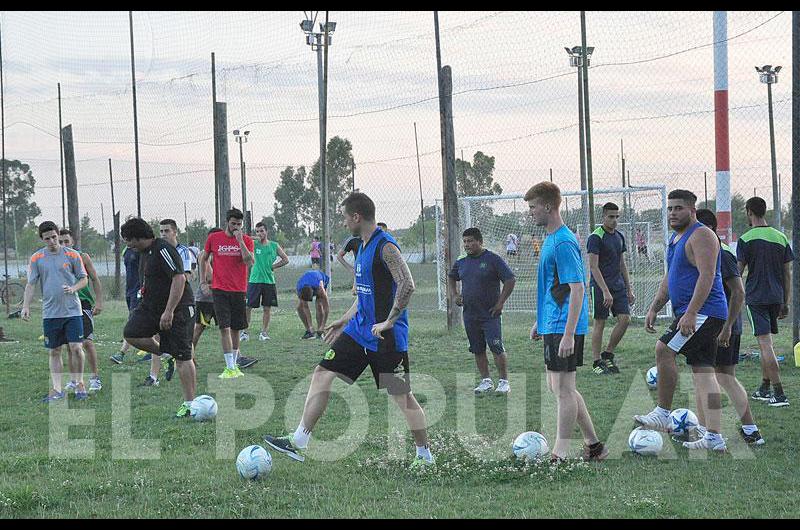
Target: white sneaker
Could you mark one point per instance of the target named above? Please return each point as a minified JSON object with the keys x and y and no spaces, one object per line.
{"x":692,"y":435}
{"x":503,"y":388}
{"x":485,"y":386}
{"x":72,"y":385}
{"x":244,"y":336}
{"x":654,"y":421}
{"x":718,"y":444}
{"x":95,"y":384}
{"x":263,"y":336}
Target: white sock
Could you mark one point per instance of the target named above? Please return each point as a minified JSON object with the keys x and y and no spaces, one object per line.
{"x":749,"y":429}
{"x":235,"y":356}
{"x":713,"y":436}
{"x":502,"y":381}
{"x":229,"y":361}
{"x":662,"y":411}
{"x":154,"y":376}
{"x":187,"y":403}
{"x":424,"y":452}
{"x":301,"y":436}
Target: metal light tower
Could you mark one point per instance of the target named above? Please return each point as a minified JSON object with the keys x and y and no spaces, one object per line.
{"x":769,"y":76}
{"x":576,"y":59}
{"x":241,"y":138}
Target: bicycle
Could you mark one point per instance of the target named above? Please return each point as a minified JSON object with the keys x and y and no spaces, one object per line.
{"x":13,"y":293}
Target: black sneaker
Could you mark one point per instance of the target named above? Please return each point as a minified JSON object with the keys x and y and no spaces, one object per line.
{"x":308,"y":335}
{"x":600,"y":368}
{"x":246,"y":362}
{"x":761,"y":394}
{"x":612,"y":368}
{"x":170,"y":369}
{"x":150,"y":381}
{"x":779,"y":401}
{"x":320,"y":335}
{"x":285,"y":445}
{"x":752,"y":439}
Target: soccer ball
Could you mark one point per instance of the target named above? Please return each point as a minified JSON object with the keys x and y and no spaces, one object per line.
{"x":682,"y":421}
{"x":530,"y":446}
{"x":203,"y":408}
{"x":652,"y":378}
{"x":645,"y":442}
{"x":254,"y":462}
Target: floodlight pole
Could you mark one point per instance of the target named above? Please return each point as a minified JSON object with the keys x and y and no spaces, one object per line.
{"x":796,"y":175}
{"x":585,"y":67}
{"x":135,"y":122}
{"x":776,"y":201}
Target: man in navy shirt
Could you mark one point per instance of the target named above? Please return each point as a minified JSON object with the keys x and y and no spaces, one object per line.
{"x":611,"y":288}
{"x":313,"y":283}
{"x":130,"y":258}
{"x":480,"y":273}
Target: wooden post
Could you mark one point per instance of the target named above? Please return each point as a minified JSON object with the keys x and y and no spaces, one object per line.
{"x":221,"y":169}
{"x":449,"y":183}
{"x":115,"y":214}
{"x":73,"y":215}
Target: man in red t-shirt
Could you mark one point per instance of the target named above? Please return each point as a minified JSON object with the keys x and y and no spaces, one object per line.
{"x":232,"y":252}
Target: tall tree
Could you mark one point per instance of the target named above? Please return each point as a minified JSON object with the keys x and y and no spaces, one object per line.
{"x":474,"y":179}
{"x":20,"y":184}
{"x":339,"y":164}
{"x":291,"y":200}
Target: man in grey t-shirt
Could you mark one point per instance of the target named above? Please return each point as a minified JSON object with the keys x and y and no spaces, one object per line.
{"x":62,"y":275}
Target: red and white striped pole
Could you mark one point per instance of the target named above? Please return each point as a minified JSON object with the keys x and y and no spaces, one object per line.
{"x":721,"y":142}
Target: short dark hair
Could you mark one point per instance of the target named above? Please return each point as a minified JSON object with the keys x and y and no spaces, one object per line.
{"x":234,"y":213}
{"x":361,"y":204}
{"x":215,"y":229}
{"x":707,"y":217}
{"x":474,"y":233}
{"x":261,"y":223}
{"x":46,"y":227}
{"x":136,"y":228}
{"x":684,"y":195}
{"x":610,"y":206}
{"x":65,"y":232}
{"x":170,"y":222}
{"x":757,"y":205}
{"x":307,"y":293}
{"x":383,"y":225}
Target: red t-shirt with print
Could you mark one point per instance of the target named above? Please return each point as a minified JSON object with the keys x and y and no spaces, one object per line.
{"x":230,"y":271}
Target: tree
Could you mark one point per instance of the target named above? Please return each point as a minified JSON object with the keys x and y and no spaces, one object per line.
{"x":291,"y":200}
{"x":339,"y":164}
{"x":19,"y":186}
{"x":197,"y":231}
{"x":474,"y":179}
{"x":92,"y":242}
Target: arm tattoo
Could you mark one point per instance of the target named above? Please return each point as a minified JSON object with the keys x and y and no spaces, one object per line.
{"x":401,"y":276}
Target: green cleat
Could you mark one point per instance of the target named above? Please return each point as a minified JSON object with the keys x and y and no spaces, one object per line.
{"x":183,"y":411}
{"x":230,"y":373}
{"x":285,"y":445}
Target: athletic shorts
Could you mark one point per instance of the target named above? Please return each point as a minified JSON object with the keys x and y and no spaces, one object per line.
{"x":620,"y":305}
{"x":60,"y":331}
{"x":132,"y":300}
{"x":261,"y":295}
{"x":88,"y":320}
{"x":553,"y":362}
{"x":349,"y":359}
{"x":317,"y":261}
{"x":177,"y":341}
{"x":229,"y":308}
{"x":481,"y":333}
{"x":764,"y":318}
{"x":729,"y":356}
{"x":700,"y":348}
{"x":204,"y":313}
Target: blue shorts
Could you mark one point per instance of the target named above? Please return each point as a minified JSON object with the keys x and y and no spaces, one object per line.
{"x":764,"y":318}
{"x":483,"y":332}
{"x":620,"y":305}
{"x":60,"y":331}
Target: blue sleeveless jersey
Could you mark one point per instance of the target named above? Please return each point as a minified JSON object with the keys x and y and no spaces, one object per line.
{"x":682,"y":276}
{"x":376,"y":290}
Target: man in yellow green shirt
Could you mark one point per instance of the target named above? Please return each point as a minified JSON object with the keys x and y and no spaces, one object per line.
{"x":261,"y":284}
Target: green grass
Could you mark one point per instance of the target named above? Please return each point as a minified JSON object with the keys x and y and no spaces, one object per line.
{"x":475,"y":477}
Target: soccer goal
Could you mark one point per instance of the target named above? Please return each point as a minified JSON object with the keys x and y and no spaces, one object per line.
{"x":505,"y":224}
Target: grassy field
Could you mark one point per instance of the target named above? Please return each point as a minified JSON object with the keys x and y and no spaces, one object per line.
{"x":142,"y":462}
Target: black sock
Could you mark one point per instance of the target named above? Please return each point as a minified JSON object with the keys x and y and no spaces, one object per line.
{"x":765,"y":385}
{"x":778,"y":389}
{"x":607,"y":355}
{"x":596,"y":363}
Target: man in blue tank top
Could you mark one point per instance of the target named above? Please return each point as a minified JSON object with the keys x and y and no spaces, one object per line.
{"x":693,"y":285}
{"x":372,"y":333}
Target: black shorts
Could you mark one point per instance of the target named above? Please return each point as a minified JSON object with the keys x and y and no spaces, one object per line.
{"x":229,"y":308}
{"x":317,"y":261}
{"x":349,"y":359}
{"x":729,"y":356}
{"x":204,"y":313}
{"x":88,"y":320}
{"x":619,"y":306}
{"x":764,"y":318}
{"x":261,"y":295}
{"x":553,"y":362}
{"x":177,"y":341}
{"x":700,"y":348}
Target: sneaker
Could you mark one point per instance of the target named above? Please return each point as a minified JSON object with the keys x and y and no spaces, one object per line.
{"x":80,"y":392}
{"x":752,"y":439}
{"x":597,"y":454}
{"x":420,"y":462}
{"x":761,"y":395}
{"x":72,"y":385}
{"x":144,"y":356}
{"x":485,"y":387}
{"x":149,"y":381}
{"x":601,"y":368}
{"x":779,"y":401}
{"x":244,"y":336}
{"x":705,"y":443}
{"x":285,"y":445}
{"x":654,"y":421}
{"x":170,"y":369}
{"x":320,"y":335}
{"x":556,"y":460}
{"x":308,"y":335}
{"x":263,"y":336}
{"x":691,"y":435}
{"x":183,"y":411}
{"x":612,"y":368}
{"x":245,"y":362}
{"x":230,"y":373}
{"x":503,"y":388}
{"x":95,"y":384}
{"x":117,"y":358}
{"x":54,"y":396}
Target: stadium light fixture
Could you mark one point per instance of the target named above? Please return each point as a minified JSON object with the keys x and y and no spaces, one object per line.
{"x":767,"y":74}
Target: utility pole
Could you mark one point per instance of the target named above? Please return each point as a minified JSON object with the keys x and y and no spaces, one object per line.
{"x":796,"y":175}
{"x":135,"y":123}
{"x":421,"y":203}
{"x":585,"y":67}
{"x":61,"y":162}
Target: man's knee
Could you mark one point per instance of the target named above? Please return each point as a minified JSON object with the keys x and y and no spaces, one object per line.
{"x":624,"y":319}
{"x":664,"y":353}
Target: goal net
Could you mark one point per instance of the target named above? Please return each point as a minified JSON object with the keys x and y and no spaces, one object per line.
{"x":506,"y":225}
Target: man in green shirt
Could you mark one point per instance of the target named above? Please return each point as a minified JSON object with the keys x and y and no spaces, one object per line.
{"x":261,"y":284}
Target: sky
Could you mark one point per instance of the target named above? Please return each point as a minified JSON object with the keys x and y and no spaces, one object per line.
{"x":515,"y":98}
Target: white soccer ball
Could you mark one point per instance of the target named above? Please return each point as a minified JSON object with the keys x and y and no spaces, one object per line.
{"x":254,"y":462}
{"x":652,"y":378}
{"x":530,"y":446}
{"x":682,"y":421}
{"x":645,"y":442}
{"x":203,"y":408}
